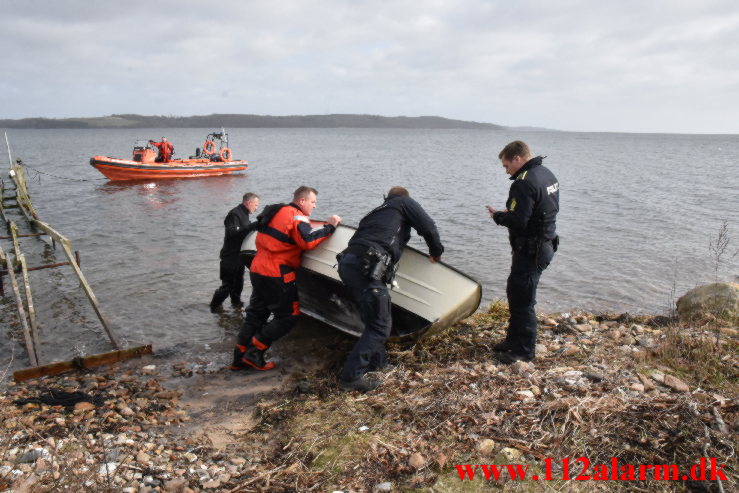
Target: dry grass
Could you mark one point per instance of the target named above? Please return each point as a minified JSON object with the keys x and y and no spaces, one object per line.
{"x":699,"y":355}
{"x":446,"y":396}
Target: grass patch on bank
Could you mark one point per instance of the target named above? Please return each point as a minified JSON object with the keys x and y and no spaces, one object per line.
{"x":699,"y":355}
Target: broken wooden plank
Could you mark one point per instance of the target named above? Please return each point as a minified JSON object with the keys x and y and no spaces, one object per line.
{"x":81,"y":363}
{"x":31,"y":309}
{"x":2,"y":212}
{"x":21,"y":311}
{"x":14,"y":235}
{"x":18,"y":175}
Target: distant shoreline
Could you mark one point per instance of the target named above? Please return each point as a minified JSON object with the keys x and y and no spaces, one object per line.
{"x":248,"y":121}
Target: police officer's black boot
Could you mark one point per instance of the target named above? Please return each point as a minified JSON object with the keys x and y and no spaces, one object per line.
{"x":360,"y":384}
{"x":254,"y":356}
{"x":379,"y":362}
{"x":502,"y":347}
{"x":510,"y":357}
{"x":519,"y":351}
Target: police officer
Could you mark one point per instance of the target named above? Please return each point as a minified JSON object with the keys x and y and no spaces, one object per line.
{"x":367,"y":265}
{"x":530,"y":216}
{"x":238,"y":225}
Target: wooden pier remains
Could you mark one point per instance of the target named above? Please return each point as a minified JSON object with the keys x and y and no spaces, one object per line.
{"x":16,"y":271}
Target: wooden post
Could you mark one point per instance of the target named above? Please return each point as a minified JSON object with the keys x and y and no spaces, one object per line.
{"x":20,"y":262}
{"x":18,"y":175}
{"x":31,"y":309}
{"x":2,"y":209}
{"x":14,"y":235}
{"x":21,"y":312}
{"x":2,"y":199}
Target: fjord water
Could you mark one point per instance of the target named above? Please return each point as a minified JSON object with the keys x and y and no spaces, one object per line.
{"x":637,"y":214}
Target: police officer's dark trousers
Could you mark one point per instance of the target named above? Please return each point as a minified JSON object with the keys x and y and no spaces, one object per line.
{"x":270,"y":295}
{"x":373,"y":299}
{"x":232,"y":281}
{"x":526,"y":269}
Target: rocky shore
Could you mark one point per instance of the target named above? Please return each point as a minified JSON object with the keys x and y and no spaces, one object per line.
{"x":646,"y":390}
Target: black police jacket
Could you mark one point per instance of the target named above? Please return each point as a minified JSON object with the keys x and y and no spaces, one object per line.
{"x":238,"y":226}
{"x":389,"y":227}
{"x":533,"y":203}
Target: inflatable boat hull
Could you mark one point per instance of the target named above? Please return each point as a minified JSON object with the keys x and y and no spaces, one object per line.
{"x":123,"y":169}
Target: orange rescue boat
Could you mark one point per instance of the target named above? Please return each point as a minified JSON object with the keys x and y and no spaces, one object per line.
{"x":211,"y":160}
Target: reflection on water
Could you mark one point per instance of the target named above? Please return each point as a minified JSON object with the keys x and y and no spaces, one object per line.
{"x":631,"y":204}
{"x":164,"y":192}
{"x":157,"y":194}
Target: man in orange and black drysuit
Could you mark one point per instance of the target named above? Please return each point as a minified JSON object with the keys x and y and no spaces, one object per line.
{"x":284,"y":233}
{"x":166,"y":149}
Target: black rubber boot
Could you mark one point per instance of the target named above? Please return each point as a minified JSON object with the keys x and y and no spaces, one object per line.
{"x":254,"y":356}
{"x":237,"y":363}
{"x":218,"y":298}
{"x":502,"y":347}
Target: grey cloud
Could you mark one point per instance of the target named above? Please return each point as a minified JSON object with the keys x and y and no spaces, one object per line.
{"x":626,"y":66}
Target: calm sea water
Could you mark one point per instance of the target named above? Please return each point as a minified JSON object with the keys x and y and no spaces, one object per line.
{"x":637,"y":215}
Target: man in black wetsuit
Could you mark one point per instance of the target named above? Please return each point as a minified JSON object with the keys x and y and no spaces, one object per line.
{"x":367,"y":265}
{"x":530,"y":216}
{"x":232,"y":269}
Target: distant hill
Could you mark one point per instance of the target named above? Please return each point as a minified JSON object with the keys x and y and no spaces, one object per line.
{"x":249,"y":121}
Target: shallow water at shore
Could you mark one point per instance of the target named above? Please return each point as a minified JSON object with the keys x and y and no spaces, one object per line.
{"x":637,"y":215}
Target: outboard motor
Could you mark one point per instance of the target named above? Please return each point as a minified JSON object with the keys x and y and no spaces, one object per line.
{"x":138,"y":154}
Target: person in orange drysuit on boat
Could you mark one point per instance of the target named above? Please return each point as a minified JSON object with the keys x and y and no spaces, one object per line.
{"x":166,"y":149}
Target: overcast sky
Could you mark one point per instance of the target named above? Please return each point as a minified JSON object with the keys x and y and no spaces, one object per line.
{"x":628,"y":65}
